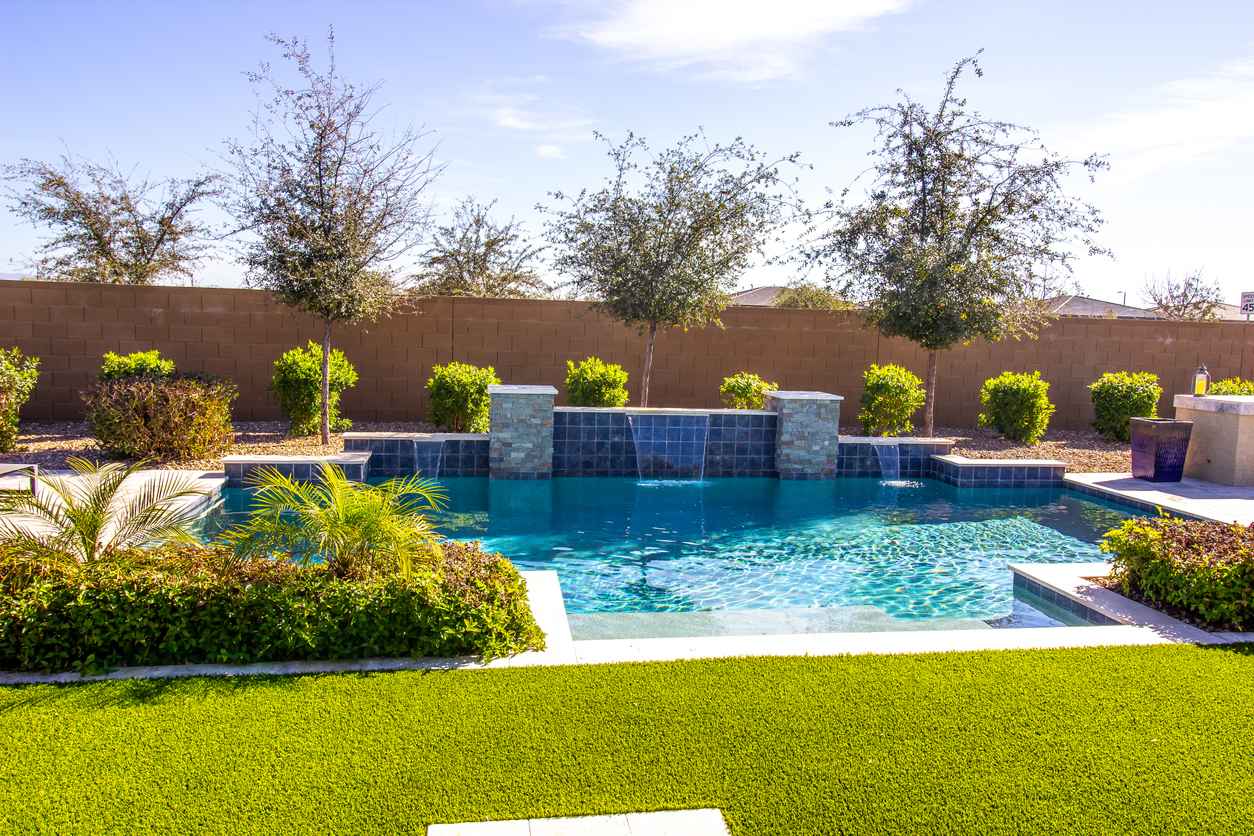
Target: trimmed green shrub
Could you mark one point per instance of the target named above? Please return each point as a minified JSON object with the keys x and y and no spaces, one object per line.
{"x":1120,"y":396}
{"x":891,"y":394}
{"x":1232,"y":386}
{"x":190,"y":604}
{"x":18,"y":375}
{"x":745,"y":390}
{"x":595,"y":383}
{"x":297,"y":383}
{"x":138,"y":364}
{"x":1017,"y":405}
{"x":179,"y":418}
{"x":459,"y":396}
{"x":1203,"y":569}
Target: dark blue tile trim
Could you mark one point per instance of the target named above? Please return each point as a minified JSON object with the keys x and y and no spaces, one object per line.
{"x":1061,"y":601}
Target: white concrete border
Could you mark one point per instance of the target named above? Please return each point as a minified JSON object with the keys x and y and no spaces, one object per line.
{"x":703,"y":822}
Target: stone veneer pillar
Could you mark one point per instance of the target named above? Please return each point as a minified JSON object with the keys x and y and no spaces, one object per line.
{"x":520,"y":444}
{"x":807,"y":434}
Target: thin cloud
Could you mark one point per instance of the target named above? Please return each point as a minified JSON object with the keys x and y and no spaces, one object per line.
{"x":737,"y":40}
{"x":1177,"y":122}
{"x":517,"y":105}
{"x":550,"y":152}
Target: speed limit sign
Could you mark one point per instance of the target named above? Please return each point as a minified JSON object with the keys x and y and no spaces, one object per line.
{"x":1247,"y":303}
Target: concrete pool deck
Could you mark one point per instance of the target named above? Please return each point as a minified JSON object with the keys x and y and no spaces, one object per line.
{"x":1188,"y":497}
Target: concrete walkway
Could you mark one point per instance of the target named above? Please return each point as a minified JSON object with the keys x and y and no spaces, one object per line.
{"x":704,"y":822}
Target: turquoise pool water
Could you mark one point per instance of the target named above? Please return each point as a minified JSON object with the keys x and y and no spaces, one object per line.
{"x":910,"y":553}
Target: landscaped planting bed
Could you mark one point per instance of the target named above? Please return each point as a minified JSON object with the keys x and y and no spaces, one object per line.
{"x":1114,"y":740}
{"x":1084,"y":451}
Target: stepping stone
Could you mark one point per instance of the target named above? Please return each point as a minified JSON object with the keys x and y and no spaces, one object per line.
{"x":705,"y":822}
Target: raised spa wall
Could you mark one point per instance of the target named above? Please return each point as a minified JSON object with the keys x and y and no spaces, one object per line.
{"x":796,"y":437}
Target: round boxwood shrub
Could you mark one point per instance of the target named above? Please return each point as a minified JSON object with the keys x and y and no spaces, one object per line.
{"x":137,"y":364}
{"x":297,"y":383}
{"x":745,"y":390}
{"x":179,"y":418}
{"x":891,"y":394}
{"x":1121,"y":396}
{"x":1017,"y":405}
{"x":1232,"y":386}
{"x":18,"y":374}
{"x":459,"y":396}
{"x":595,"y":383}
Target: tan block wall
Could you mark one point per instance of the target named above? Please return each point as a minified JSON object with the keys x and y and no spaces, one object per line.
{"x":239,"y":333}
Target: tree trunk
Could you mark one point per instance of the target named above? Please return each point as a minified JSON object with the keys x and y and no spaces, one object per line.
{"x":648,"y":365}
{"x":929,"y":406}
{"x":326,"y":383}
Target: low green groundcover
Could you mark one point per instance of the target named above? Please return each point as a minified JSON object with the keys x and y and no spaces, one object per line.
{"x":1109,"y":740}
{"x":194,"y":605}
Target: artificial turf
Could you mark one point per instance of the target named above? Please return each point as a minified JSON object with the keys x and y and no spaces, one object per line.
{"x":1117,"y":740}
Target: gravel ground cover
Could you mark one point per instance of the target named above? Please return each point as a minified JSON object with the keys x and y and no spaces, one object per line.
{"x":50,"y":443}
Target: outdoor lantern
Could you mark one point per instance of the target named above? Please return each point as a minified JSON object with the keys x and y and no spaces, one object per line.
{"x":1201,"y":380}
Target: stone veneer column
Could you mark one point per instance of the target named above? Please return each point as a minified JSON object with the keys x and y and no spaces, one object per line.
{"x":807,"y":434}
{"x":520,"y":442}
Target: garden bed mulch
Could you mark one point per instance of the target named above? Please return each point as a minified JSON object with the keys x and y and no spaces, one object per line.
{"x":50,"y":443}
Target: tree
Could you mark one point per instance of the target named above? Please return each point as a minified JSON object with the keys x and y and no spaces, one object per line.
{"x":330,"y":203}
{"x":106,"y":226}
{"x":1190,"y":298}
{"x":661,"y":244}
{"x":475,"y":256}
{"x":810,"y":296}
{"x":965,"y":219}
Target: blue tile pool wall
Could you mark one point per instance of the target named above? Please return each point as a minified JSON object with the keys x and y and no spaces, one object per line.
{"x":592,"y":444}
{"x":741,"y":444}
{"x":464,"y":457}
{"x":596,"y":443}
{"x":239,"y":473}
{"x":861,"y":459}
{"x":1062,"y":601}
{"x":430,"y":457}
{"x":999,"y":475}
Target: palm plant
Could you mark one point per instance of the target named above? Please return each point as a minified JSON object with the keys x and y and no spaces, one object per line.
{"x":358,"y":529}
{"x":88,"y":518}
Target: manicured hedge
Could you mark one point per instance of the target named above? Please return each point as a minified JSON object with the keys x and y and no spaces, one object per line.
{"x":1202,"y":569}
{"x":593,"y":382}
{"x":1232,"y":386}
{"x":459,"y":396}
{"x":745,"y":390}
{"x":1017,"y":405}
{"x":18,"y":375}
{"x":297,"y":383}
{"x":179,"y":418}
{"x":891,"y":395}
{"x":196,"y":605}
{"x":1121,"y":396}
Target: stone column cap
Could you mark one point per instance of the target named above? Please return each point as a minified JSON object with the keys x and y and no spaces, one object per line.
{"x":1231,"y":404}
{"x":805,"y":396}
{"x":514,"y":389}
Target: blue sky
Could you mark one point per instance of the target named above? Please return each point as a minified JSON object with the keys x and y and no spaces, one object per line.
{"x":513,"y":91}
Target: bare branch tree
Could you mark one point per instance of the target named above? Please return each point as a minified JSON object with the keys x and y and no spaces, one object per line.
{"x":328,"y":203}
{"x":106,"y":226}
{"x":1190,"y":298}
{"x":475,"y":256}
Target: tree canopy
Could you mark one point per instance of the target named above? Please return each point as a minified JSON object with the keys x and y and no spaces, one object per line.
{"x":811,"y":296}
{"x":477,"y":256}
{"x":964,"y":221}
{"x":662,"y":242}
{"x":107,"y":226}
{"x":328,"y":203}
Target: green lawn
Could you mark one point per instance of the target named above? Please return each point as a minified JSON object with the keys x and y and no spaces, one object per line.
{"x":1112,"y":740}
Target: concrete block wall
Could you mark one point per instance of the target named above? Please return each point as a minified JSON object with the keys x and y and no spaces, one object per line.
{"x":239,"y":333}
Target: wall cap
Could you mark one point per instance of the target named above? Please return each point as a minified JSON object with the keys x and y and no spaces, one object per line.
{"x":515,"y":389}
{"x":1228,"y":404}
{"x":805,"y":396}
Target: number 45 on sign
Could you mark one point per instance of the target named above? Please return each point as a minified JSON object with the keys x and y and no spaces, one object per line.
{"x":1247,"y":303}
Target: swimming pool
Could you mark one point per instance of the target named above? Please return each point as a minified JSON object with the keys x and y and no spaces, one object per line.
{"x":749,"y":555}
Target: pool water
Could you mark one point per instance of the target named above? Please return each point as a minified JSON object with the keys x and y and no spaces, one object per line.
{"x":764,"y":555}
